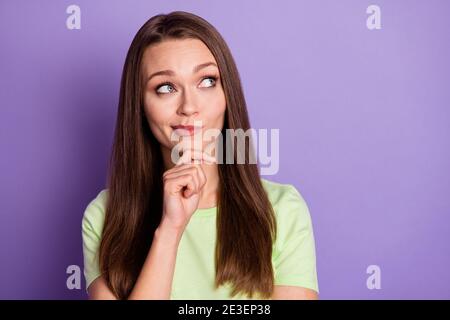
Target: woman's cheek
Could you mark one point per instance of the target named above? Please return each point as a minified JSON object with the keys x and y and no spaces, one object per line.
{"x":159,"y":110}
{"x":216,"y":102}
{"x":157,"y":119}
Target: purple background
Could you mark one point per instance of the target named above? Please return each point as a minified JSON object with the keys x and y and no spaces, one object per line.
{"x":363,"y":118}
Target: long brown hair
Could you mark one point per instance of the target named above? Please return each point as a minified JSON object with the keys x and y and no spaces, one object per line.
{"x":246,"y":226}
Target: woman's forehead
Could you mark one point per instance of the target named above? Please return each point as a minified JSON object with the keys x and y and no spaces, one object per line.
{"x":180,"y":55}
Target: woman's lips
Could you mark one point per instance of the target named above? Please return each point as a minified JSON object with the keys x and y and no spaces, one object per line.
{"x":185,"y":130}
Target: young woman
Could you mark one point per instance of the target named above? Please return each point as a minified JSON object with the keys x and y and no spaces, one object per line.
{"x":193,"y":227}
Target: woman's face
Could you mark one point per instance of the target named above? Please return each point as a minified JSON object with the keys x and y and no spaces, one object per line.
{"x":182,"y":86}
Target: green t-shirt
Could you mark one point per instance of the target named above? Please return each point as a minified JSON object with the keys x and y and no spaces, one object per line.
{"x":293,"y":256}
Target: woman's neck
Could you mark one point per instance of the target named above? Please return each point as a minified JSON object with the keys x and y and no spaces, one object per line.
{"x":210,"y":192}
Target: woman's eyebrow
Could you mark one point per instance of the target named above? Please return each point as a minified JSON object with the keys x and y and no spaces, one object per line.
{"x":171,"y":73}
{"x":203,"y":65}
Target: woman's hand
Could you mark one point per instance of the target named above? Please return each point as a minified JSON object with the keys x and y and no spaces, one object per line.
{"x":182,"y":188}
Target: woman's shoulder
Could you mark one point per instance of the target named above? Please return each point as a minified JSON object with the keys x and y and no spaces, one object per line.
{"x":287,"y":202}
{"x":282,"y":193}
{"x":94,"y":214}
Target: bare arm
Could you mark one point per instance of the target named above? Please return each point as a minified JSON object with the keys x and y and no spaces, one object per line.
{"x":182,"y":186}
{"x":98,"y":290}
{"x":155,"y":279}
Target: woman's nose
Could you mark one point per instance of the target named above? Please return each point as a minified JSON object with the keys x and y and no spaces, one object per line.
{"x":188,"y":105}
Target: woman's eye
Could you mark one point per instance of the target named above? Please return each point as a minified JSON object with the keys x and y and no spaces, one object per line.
{"x":209,"y":81}
{"x":165,"y":88}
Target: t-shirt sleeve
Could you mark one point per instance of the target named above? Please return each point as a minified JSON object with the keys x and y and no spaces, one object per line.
{"x":294,"y":257}
{"x":91,"y":226}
